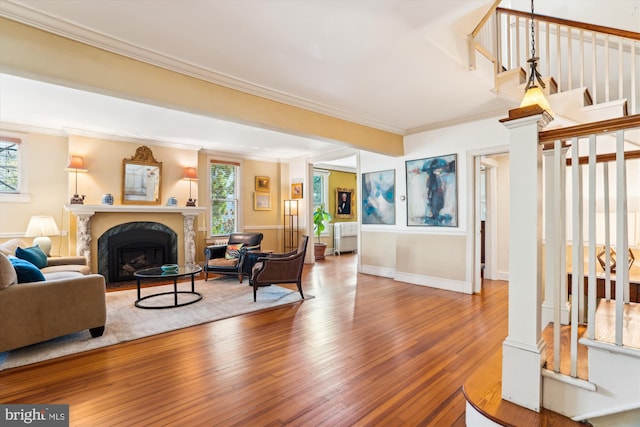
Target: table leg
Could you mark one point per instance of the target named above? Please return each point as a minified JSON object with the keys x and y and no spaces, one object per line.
{"x":175,"y":291}
{"x":138,"y":285}
{"x":193,"y":286}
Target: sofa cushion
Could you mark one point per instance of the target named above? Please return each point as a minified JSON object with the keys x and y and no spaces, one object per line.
{"x":56,"y":275}
{"x":66,"y":268}
{"x":8,"y":275}
{"x":34,"y":255}
{"x":9,"y":247}
{"x":233,"y":251}
{"x":26,"y":271}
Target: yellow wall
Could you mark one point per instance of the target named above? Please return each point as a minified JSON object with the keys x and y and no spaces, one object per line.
{"x":47,"y":184}
{"x":339,"y":179}
{"x":51,"y":187}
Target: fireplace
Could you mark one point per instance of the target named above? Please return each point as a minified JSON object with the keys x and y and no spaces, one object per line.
{"x":132,"y":246}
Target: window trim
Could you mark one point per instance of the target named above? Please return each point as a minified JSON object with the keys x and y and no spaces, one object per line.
{"x":23,"y":195}
{"x":239,"y":210}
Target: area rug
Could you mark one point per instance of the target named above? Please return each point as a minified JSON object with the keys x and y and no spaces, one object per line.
{"x":221,"y":299}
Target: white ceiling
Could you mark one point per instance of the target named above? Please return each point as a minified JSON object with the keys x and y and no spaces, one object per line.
{"x":397,"y":65}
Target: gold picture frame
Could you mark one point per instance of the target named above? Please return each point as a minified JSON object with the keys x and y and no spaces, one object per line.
{"x":263,"y":183}
{"x":261,"y":201}
{"x":141,"y":178}
{"x":296,"y":190}
{"x":345,"y":203}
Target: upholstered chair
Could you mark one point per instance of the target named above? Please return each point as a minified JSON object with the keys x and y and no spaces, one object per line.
{"x":280,"y":268}
{"x":229,"y":258}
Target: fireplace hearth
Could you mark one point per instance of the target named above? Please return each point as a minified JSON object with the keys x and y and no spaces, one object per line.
{"x":132,"y":246}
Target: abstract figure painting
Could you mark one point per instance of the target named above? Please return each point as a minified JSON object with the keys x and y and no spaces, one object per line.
{"x":378,"y":197}
{"x":432,"y":192}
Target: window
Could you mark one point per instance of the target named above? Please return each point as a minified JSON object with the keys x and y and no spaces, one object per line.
{"x":224,"y":197}
{"x":13,"y":182}
{"x":9,"y":164}
{"x":321,"y":192}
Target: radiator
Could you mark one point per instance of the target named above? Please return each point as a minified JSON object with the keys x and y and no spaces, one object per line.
{"x":345,"y":237}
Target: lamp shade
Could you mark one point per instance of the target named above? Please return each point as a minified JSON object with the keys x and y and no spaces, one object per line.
{"x":76,"y":164}
{"x":535,"y":96}
{"x":42,"y":225}
{"x":190,"y":174}
{"x":291,"y":207}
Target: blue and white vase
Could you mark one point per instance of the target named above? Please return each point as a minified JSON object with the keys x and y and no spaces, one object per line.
{"x":172,"y":201}
{"x":107,"y":199}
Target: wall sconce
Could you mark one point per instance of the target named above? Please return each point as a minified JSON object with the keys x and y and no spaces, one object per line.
{"x":190,"y":174}
{"x":76,"y":164}
{"x":41,"y":227}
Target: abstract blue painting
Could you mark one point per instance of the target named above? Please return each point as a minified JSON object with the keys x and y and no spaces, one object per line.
{"x":432,"y":188}
{"x":379,"y":197}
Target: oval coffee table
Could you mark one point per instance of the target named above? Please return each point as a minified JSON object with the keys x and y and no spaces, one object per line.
{"x":158,"y":273}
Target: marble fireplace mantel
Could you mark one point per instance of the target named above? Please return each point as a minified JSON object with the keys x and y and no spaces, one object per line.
{"x":84,"y":213}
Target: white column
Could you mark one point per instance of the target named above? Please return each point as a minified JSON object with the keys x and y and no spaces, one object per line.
{"x":523,"y":351}
{"x":189,"y":238}
{"x":83,"y":236}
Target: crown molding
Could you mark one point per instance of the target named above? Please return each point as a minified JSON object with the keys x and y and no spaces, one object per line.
{"x":42,"y":21}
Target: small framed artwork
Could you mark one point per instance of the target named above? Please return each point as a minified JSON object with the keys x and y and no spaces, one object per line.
{"x":379,"y":197}
{"x":261,"y":201}
{"x":344,"y":203}
{"x":296,"y":190}
{"x":262,"y":183}
{"x":432,"y":191}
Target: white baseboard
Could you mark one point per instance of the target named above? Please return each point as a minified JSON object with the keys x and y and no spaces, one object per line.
{"x":502,"y":275}
{"x":377,"y":271}
{"x":435,"y":282}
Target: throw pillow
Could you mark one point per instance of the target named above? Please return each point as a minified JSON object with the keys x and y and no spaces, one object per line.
{"x":233,"y":251}
{"x":26,"y":271}
{"x":8,"y":275}
{"x":34,"y":255}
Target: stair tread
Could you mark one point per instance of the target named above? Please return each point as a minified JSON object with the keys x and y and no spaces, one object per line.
{"x":483,"y":390}
{"x":565,"y":351}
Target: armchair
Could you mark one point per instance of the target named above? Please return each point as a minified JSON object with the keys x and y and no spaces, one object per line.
{"x":229,"y":258}
{"x":280,"y":268}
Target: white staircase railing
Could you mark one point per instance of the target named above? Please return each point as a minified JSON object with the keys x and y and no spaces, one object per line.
{"x":608,"y":195}
{"x":604,"y":60}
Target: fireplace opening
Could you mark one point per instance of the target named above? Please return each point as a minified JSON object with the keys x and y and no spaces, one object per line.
{"x":134,"y":246}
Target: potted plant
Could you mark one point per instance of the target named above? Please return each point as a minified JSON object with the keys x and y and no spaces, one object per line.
{"x":319,"y":218}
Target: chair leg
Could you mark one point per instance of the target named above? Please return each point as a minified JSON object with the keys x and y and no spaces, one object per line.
{"x":240,"y":277}
{"x":206,"y":275}
{"x":300,"y":289}
{"x":255,"y":292}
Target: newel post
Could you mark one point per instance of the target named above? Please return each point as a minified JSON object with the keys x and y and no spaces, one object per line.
{"x":523,"y":351}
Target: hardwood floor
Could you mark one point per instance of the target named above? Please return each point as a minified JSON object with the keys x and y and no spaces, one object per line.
{"x":365,"y":351}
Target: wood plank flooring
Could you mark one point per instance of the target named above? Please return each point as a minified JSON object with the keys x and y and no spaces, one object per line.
{"x":365,"y":351}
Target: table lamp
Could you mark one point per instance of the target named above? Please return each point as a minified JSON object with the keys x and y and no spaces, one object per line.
{"x":76,"y":164}
{"x":191,"y":174}
{"x":41,"y":227}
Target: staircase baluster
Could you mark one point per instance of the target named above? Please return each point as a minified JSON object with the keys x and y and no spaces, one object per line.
{"x":591,"y":284}
{"x":569,"y":60}
{"x":581,"y":58}
{"x":594,"y":87}
{"x":606,"y":68}
{"x":559,"y":55}
{"x":577,"y":268}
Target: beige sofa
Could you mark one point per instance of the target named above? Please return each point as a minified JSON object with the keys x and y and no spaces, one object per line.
{"x":69,"y":300}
